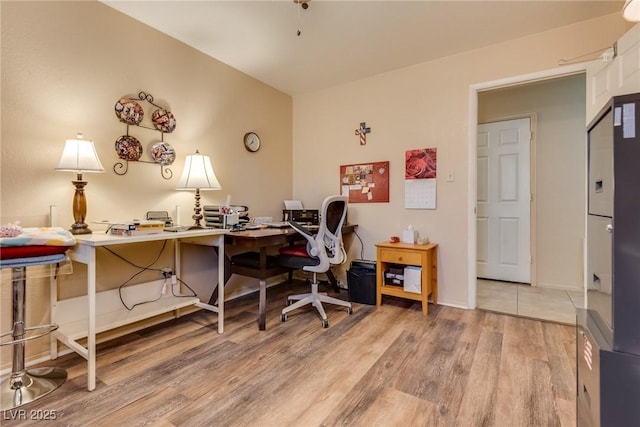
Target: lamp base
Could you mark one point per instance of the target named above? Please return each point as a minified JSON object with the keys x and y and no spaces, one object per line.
{"x":80,"y":229}
{"x":79,"y":208}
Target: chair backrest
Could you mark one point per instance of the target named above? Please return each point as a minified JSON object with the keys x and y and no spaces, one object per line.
{"x":334,"y":212}
{"x":326,"y":245}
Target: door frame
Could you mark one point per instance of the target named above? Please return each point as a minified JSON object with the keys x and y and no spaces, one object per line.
{"x":472,"y":129}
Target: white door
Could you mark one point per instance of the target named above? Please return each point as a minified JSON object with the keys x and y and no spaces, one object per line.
{"x":503,"y":205}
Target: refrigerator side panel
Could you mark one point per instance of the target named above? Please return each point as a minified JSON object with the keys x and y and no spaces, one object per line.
{"x":626,"y":224}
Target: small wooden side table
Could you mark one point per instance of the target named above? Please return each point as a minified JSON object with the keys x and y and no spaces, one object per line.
{"x":424,"y":256}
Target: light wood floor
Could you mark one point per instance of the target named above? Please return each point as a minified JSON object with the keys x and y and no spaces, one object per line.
{"x":384,"y":367}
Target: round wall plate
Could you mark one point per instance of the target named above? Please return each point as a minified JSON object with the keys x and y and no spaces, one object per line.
{"x":163,"y":153}
{"x":129,"y":111}
{"x":128,"y":148}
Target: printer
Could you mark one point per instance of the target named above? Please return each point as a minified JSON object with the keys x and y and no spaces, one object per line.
{"x":303,"y":216}
{"x":293,"y":211}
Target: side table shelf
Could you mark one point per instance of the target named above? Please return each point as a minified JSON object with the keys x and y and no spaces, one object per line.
{"x":72,"y":318}
{"x":423,"y":256}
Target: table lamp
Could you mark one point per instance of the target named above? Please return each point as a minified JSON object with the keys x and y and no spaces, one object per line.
{"x":79,"y":156}
{"x":198,"y":175}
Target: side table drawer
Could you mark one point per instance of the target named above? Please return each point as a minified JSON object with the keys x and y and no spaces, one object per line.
{"x":400,"y":257}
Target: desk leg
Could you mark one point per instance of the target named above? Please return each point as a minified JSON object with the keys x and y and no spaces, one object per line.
{"x":221,"y":283}
{"x":91,"y":337}
{"x":262,"y":311}
{"x":332,"y":280}
{"x":262,"y":308}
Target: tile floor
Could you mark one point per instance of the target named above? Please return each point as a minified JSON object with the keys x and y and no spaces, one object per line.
{"x":524,"y":300}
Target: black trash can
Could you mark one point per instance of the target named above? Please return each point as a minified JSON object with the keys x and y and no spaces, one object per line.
{"x":361,"y":280}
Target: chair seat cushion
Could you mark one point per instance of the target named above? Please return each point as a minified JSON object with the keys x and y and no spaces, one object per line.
{"x":295,"y":250}
{"x":296,"y":262}
{"x":252,"y":260}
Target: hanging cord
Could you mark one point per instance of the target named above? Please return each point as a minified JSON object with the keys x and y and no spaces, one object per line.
{"x":606,"y":54}
{"x":142,"y":270}
{"x":299,"y":32}
{"x":361,"y":244}
{"x":302,"y":4}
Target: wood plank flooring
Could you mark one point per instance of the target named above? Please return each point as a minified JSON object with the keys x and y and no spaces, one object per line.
{"x":377,"y":367}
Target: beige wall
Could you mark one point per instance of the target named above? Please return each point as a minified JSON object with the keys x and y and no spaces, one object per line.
{"x":426,"y":105}
{"x":64,"y":66}
{"x":559,"y":158}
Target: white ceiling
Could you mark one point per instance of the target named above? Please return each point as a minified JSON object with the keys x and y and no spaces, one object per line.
{"x":343,"y":41}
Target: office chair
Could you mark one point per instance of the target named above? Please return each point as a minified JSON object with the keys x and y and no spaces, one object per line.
{"x":317,"y":255}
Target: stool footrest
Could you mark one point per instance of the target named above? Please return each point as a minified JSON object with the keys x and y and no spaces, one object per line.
{"x":49,"y":328}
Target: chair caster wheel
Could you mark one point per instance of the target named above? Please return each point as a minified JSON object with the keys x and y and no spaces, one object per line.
{"x":325,"y":323}
{"x":283,"y":317}
{"x":349,"y":310}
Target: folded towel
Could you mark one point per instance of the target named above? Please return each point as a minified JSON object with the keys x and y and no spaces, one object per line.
{"x":47,"y":236}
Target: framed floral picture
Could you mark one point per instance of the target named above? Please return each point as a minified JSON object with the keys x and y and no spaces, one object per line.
{"x":420,"y":164}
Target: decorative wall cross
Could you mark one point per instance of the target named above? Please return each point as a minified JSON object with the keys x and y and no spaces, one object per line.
{"x":363,"y":131}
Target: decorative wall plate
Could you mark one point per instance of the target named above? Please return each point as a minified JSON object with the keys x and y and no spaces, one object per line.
{"x":129,"y":111}
{"x":163,"y":120}
{"x":163,"y":153}
{"x":128,"y":148}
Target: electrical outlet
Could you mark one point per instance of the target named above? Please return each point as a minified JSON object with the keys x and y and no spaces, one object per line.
{"x":167,"y":272}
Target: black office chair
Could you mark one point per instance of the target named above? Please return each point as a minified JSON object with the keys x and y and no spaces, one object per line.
{"x":317,"y":255}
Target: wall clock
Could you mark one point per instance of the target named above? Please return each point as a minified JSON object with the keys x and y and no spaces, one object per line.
{"x":251,"y":141}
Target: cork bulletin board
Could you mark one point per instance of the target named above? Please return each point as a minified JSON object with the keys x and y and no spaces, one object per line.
{"x":365,"y":182}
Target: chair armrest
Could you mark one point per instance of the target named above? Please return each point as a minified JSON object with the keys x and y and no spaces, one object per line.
{"x":301,"y":229}
{"x":311,"y":238}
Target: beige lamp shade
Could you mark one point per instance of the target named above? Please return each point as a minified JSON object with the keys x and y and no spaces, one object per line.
{"x":198,"y":174}
{"x":631,"y":10}
{"x":79,"y":155}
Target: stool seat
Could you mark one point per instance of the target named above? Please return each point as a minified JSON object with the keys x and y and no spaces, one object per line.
{"x":24,"y":386}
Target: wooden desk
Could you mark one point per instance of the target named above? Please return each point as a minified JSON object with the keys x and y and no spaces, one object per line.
{"x":86,"y":316}
{"x":424,"y":256}
{"x":259,"y":241}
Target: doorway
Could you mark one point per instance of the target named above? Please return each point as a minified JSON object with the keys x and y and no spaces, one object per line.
{"x":556,"y":249}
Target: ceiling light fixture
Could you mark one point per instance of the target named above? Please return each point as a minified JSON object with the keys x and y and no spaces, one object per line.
{"x":304,"y":4}
{"x":631,"y":10}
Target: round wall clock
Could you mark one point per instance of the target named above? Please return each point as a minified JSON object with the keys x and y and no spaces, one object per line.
{"x":251,"y":141}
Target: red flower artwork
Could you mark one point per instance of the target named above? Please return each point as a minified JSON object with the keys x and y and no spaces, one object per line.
{"x":420,"y":164}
